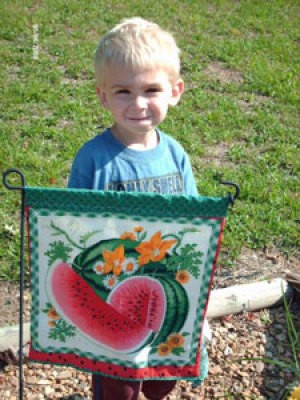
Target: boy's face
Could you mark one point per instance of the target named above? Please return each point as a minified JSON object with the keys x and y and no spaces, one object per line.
{"x":138,"y":100}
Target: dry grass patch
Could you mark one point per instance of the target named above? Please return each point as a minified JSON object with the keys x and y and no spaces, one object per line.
{"x":218,"y":71}
{"x":217,"y":155}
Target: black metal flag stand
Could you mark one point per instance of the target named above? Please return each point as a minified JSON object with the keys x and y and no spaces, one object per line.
{"x":21,"y":276}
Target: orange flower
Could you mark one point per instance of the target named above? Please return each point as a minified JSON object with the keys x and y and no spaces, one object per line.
{"x":128,"y":235}
{"x":154,"y":250}
{"x":138,"y":229}
{"x":182,"y":276}
{"x":113,"y":260}
{"x":175,"y":340}
{"x":52,"y":314}
{"x":164,"y":349}
{"x":51,"y":324}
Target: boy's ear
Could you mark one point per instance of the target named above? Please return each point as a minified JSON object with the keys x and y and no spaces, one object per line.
{"x":177,"y":91}
{"x":101,"y":96}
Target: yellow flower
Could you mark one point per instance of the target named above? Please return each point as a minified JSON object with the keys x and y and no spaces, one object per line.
{"x":153,"y":250}
{"x":164,"y":349}
{"x":128,"y":235}
{"x":182,"y":276}
{"x":113,"y":260}
{"x":295,"y":395}
{"x":175,"y":340}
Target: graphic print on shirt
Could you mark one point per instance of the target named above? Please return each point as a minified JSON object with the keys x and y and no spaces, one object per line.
{"x":166,"y":184}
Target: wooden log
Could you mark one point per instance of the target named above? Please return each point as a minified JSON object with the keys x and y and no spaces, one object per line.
{"x":231,"y":300}
{"x":248,"y":297}
{"x":294,"y":280}
{"x":9,"y":336}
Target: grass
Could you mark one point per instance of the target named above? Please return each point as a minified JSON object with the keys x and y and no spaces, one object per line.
{"x":238,"y":119}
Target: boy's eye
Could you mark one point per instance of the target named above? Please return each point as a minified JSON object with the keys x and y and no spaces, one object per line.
{"x":153,"y":90}
{"x":122,"y":91}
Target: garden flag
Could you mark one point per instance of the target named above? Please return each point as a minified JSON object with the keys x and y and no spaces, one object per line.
{"x":120,"y":281}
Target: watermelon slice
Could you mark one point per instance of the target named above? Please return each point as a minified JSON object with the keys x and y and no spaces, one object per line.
{"x":141,"y":299}
{"x":77,"y":303}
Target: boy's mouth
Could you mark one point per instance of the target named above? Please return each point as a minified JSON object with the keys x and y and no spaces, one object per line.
{"x":139,"y":118}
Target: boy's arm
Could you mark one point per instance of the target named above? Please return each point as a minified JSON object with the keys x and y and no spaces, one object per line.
{"x":82,"y":174}
{"x":189,"y":183}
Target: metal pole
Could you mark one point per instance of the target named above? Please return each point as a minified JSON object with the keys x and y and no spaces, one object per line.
{"x":232,"y":198}
{"x":21,"y":279}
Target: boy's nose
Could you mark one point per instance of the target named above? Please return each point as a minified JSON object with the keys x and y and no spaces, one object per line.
{"x":140,"y":101}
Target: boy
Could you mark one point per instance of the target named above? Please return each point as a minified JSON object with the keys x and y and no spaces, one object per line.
{"x":137,"y":69}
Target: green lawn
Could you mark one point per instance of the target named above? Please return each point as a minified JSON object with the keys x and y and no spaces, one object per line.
{"x":238,"y":120}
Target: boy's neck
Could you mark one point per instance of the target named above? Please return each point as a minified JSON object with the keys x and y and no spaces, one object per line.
{"x":139,"y":142}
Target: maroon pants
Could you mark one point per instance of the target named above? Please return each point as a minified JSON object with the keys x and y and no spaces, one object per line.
{"x":115,"y":389}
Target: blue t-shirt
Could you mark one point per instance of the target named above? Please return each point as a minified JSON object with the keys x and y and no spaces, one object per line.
{"x":103,"y":163}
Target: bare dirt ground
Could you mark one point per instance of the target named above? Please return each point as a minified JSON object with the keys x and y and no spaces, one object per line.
{"x":248,"y":335}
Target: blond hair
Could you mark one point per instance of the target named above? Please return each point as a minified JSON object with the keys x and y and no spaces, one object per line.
{"x":137,"y":43}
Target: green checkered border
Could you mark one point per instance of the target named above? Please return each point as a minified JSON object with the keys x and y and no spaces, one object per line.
{"x":215,"y":224}
{"x":128,"y":203}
